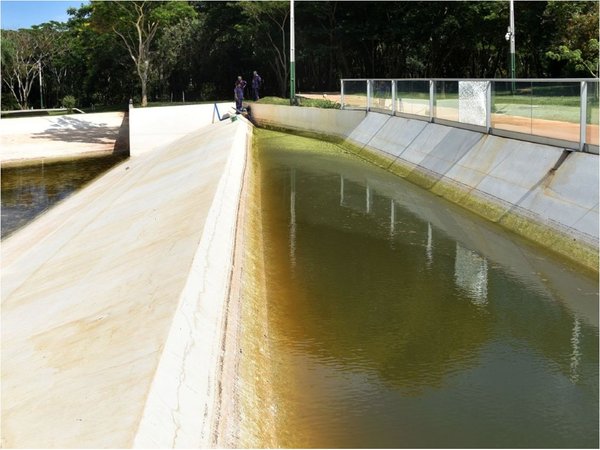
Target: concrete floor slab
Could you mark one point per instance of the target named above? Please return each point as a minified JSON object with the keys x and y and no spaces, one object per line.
{"x":60,"y":137}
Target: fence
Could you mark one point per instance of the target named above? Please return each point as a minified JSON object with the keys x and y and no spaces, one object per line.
{"x":560,"y":112}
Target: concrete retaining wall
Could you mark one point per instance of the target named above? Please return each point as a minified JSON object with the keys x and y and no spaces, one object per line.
{"x":539,"y":191}
{"x":316,"y":120}
{"x":155,"y":127}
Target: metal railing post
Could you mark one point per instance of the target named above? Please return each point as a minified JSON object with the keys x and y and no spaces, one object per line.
{"x":582,"y":115}
{"x":342,"y":93}
{"x":488,"y":107}
{"x":369,"y":89}
{"x":431,"y":99}
{"x":393,"y":97}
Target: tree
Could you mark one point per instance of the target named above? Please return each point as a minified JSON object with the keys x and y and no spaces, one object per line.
{"x":267,"y":22}
{"x":576,"y":40}
{"x":24,"y":53}
{"x":173,"y":49}
{"x":137,"y":24}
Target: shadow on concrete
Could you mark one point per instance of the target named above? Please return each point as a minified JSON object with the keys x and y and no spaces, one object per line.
{"x":121,"y":146}
{"x":71,"y":129}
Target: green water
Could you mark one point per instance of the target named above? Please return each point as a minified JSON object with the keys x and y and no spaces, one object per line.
{"x":399,"y":320}
{"x":28,"y":191}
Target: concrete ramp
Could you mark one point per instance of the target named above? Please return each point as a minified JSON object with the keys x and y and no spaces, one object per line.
{"x":113,"y":302}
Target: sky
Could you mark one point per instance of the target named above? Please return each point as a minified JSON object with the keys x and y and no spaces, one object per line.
{"x":15,"y":14}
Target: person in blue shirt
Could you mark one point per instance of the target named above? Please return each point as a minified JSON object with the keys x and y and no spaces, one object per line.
{"x":256,"y":83}
{"x":238,"y":93}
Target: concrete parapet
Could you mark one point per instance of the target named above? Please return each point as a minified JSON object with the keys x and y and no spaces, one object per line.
{"x":316,"y":120}
{"x":154,"y":127}
{"x":539,"y":191}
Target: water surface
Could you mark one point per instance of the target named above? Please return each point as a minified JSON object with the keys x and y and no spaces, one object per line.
{"x":28,"y":191}
{"x":400,"y":320}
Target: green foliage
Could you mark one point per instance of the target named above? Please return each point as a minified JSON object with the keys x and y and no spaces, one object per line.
{"x":111,"y":51}
{"x":69,"y":102}
{"x":302,"y":101}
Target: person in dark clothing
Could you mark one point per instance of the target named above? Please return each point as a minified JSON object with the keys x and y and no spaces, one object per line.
{"x":256,"y":83}
{"x":238,"y":93}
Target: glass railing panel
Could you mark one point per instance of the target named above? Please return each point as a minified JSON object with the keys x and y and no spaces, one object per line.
{"x":382,"y":95}
{"x":446,"y":100}
{"x":511,"y":106}
{"x":592,"y":119}
{"x":355,"y":94}
{"x":555,"y":109}
{"x":412,"y":97}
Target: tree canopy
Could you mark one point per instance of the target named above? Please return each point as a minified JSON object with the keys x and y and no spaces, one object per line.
{"x":111,"y":51}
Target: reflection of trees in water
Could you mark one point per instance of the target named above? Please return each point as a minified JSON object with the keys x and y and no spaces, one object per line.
{"x":30,"y":190}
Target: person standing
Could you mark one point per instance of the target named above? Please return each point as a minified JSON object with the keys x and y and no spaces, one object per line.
{"x":238,"y":93}
{"x":256,"y":83}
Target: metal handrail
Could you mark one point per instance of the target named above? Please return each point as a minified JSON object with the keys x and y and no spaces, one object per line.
{"x":517,"y":80}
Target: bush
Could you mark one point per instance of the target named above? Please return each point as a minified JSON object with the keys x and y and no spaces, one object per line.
{"x":69,"y":102}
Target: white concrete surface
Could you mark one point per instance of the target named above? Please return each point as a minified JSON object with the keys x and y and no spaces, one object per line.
{"x":112,"y":302}
{"x":155,"y":127}
{"x":397,"y":135}
{"x":504,"y":168}
{"x":317,"y":120}
{"x":58,"y":137}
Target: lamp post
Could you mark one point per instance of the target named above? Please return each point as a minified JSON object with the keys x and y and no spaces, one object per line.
{"x":292,"y":56}
{"x":510,"y":36}
{"x":41,"y":91}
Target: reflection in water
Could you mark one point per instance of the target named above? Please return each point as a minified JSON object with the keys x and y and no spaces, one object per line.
{"x":293,"y":217}
{"x":470,"y":272}
{"x":575,"y":354}
{"x":429,"y":247}
{"x":28,"y":191}
{"x":383,"y":339}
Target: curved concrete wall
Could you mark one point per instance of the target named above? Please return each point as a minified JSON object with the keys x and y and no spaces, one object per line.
{"x":539,"y":191}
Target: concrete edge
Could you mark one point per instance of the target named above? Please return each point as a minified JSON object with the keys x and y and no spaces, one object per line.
{"x":180,"y":409}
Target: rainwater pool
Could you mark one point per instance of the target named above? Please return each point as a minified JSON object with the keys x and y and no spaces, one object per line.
{"x":397,"y":319}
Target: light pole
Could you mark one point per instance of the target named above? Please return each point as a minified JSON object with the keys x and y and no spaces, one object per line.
{"x":41,"y":93}
{"x":292,"y":56}
{"x":510,"y":36}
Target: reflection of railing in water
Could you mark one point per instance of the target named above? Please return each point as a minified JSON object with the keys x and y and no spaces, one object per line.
{"x":553,"y":111}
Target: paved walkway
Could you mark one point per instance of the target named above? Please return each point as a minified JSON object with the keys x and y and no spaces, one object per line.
{"x":23,"y":139}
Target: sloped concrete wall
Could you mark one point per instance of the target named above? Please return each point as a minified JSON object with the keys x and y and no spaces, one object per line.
{"x":539,"y":191}
{"x":114,"y":302}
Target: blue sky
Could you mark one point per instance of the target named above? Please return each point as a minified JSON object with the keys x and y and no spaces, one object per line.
{"x":15,"y":14}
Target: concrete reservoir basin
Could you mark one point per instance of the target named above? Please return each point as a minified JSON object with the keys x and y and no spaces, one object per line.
{"x":230,"y":286}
